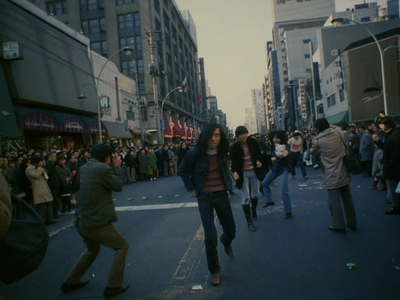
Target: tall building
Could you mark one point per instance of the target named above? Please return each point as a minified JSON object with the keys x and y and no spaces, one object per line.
{"x":160,"y":35}
{"x":258,"y":102}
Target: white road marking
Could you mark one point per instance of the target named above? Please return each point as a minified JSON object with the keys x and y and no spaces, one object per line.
{"x":157,"y":206}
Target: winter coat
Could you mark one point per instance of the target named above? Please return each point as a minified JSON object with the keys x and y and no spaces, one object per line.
{"x":142,"y":163}
{"x":376,"y":164}
{"x":194,"y":169}
{"x":237,"y":157}
{"x":152,"y":160}
{"x":95,"y":205}
{"x":181,"y":154}
{"x":391,"y":155}
{"x":329,"y":145}
{"x":40,"y":189}
{"x":366,"y":147}
{"x":171,"y":156}
{"x":63,"y":174}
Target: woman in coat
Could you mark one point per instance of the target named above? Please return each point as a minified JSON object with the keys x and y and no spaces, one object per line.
{"x":152,"y":161}
{"x":42,"y":197}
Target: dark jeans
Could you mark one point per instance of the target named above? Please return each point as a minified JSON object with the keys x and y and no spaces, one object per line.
{"x":222,"y":206}
{"x":294,"y":158}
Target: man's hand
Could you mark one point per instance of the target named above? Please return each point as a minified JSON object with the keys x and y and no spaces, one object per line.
{"x":235,"y":175}
{"x":117,"y":162}
{"x":258,"y":164}
{"x":193,"y":194}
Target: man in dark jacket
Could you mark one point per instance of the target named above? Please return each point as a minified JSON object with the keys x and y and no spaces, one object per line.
{"x":54,"y":181}
{"x":391,"y":159}
{"x":246,"y":161}
{"x":95,"y":212}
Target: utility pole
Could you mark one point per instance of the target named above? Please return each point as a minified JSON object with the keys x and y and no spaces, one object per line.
{"x":154,"y":73}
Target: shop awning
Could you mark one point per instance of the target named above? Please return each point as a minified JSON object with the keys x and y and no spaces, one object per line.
{"x":339,"y":119}
{"x":8,"y":122}
{"x":117,"y":130}
{"x":33,"y":119}
{"x":92,"y":126}
{"x":168,"y":129}
{"x":67,"y":123}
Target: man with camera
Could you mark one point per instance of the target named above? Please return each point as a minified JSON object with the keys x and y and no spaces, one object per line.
{"x":329,"y":144}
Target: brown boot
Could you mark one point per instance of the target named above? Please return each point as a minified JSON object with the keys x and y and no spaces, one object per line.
{"x":373,"y":187}
{"x":384,"y":187}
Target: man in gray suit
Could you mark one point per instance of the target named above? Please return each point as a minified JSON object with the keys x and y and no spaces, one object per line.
{"x":95,"y":212}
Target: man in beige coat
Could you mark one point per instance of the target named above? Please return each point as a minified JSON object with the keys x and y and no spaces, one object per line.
{"x":329,"y":145}
{"x":42,"y":196}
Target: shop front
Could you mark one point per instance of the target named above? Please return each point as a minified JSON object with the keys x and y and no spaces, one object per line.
{"x":43,"y":129}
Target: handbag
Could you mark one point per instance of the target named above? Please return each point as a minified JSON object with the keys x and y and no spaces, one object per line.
{"x":24,"y":246}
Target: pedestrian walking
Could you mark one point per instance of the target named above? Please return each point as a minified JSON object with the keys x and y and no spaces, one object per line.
{"x":246,"y":160}
{"x":296,"y":154}
{"x":280,"y":168}
{"x":95,"y":212}
{"x":330,"y":145}
{"x":205,"y":174}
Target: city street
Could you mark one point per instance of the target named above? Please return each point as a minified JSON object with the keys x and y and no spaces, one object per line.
{"x":297,"y":258}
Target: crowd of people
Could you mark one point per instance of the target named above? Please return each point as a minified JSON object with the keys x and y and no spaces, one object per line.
{"x":51,"y":180}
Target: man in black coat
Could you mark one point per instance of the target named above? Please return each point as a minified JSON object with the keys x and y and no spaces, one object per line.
{"x":54,"y":181}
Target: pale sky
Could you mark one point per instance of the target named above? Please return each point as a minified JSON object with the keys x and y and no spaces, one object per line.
{"x":231,"y":37}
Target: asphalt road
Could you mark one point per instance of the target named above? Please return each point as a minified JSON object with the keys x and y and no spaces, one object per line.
{"x":297,"y":258}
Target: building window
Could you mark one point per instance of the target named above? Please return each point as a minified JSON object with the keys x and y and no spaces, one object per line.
{"x":306,"y":55}
{"x":365,"y":19}
{"x":306,"y":41}
{"x":331,"y":100}
{"x":103,"y":24}
{"x":92,"y":5}
{"x":57,"y":7}
{"x":157,"y":6}
{"x":104,"y":48}
{"x":129,"y":20}
{"x":122,"y":2}
{"x":85,"y":27}
{"x":94,"y":26}
{"x":308,"y":71}
{"x":130,"y":115}
{"x":134,"y":42}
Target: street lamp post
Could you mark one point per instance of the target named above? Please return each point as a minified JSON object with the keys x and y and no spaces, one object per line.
{"x":81,"y":97}
{"x":381,"y":52}
{"x":198,"y":116}
{"x":160,"y":129}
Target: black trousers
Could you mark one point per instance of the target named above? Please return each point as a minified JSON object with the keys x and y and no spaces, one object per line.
{"x":221,"y":205}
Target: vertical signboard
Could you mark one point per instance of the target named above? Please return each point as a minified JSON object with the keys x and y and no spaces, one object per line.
{"x":303,"y":100}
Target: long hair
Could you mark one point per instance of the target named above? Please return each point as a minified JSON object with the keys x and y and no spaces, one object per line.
{"x":207,"y":133}
{"x":280,"y":134}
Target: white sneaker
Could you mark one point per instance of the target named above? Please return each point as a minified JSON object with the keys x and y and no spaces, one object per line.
{"x":151,"y":179}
